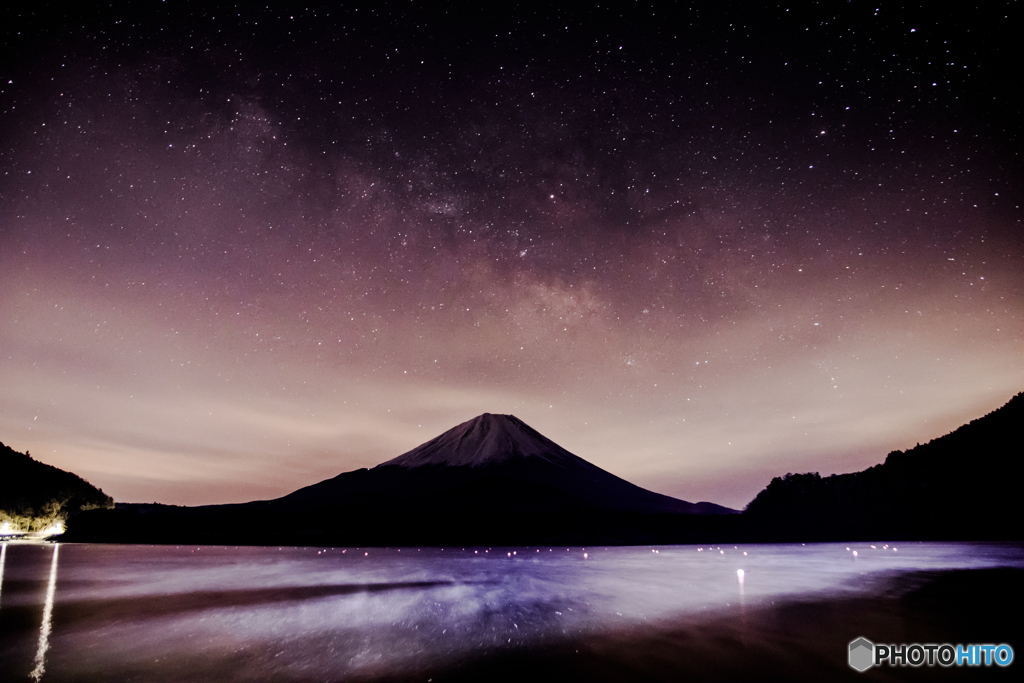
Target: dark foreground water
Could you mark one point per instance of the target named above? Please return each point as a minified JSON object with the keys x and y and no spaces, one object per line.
{"x":74,"y":612}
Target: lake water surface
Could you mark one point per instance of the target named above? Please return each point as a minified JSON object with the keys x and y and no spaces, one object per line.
{"x":155,"y":613}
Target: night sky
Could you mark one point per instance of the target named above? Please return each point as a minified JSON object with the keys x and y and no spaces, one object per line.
{"x":245,"y":249}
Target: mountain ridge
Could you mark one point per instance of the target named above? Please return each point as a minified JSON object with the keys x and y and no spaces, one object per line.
{"x":492,"y":480}
{"x":958,"y":485}
{"x":486,"y":450}
{"x":34,"y":495}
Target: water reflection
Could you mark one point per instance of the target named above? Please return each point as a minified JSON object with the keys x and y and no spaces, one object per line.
{"x":44,"y":628}
{"x":167,"y":614}
{"x":3,"y":556}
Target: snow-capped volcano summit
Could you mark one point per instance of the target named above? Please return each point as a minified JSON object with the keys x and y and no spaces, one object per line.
{"x":485,"y":440}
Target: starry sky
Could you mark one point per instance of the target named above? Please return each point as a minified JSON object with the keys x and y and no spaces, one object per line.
{"x":243,"y":249}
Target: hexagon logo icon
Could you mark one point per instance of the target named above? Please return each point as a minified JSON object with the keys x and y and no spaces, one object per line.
{"x":862,"y":654}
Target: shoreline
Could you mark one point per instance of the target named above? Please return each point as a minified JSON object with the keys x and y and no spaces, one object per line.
{"x":802,"y":638}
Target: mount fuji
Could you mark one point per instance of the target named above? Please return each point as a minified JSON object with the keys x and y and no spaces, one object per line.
{"x":496,"y":463}
{"x":490,"y":481}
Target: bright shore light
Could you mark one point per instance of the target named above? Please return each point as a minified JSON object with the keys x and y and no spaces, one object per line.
{"x":55,"y":529}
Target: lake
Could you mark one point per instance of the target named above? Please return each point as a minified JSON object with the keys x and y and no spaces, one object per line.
{"x":170,"y":613}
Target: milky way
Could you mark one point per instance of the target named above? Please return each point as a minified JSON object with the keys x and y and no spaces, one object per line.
{"x":242,"y":250}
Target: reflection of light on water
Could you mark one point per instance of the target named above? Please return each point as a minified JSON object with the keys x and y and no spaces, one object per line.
{"x":359,"y":619}
{"x":3,"y":556}
{"x":44,"y":629}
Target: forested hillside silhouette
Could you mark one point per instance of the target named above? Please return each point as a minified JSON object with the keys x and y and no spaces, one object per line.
{"x":963,"y":485}
{"x":34,"y":495}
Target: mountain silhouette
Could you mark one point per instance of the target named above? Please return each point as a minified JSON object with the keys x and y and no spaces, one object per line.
{"x":963,"y":485}
{"x":495,"y":481}
{"x":496,"y":463}
{"x":490,"y":481}
{"x":34,"y":495}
